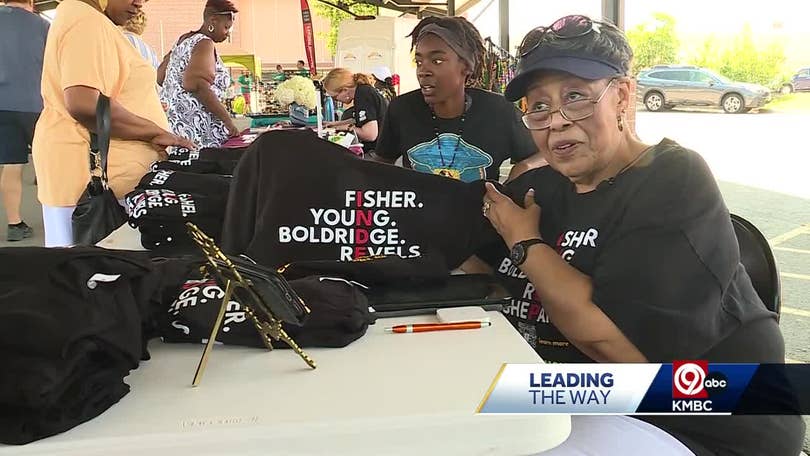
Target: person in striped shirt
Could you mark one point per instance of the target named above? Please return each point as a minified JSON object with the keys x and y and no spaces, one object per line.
{"x":133,"y":30}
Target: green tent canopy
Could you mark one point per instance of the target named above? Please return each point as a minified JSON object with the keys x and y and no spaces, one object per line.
{"x":249,"y":61}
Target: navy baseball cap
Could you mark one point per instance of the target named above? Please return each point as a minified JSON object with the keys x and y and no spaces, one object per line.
{"x":580,"y":63}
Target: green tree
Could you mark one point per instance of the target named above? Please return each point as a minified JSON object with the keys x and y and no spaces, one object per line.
{"x":654,"y":43}
{"x":335,"y":16}
{"x":707,"y":54}
{"x":741,"y":59}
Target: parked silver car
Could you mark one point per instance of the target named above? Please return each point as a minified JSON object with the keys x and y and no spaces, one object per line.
{"x":665,"y":86}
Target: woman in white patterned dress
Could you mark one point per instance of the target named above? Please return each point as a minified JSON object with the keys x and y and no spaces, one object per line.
{"x":194,"y":80}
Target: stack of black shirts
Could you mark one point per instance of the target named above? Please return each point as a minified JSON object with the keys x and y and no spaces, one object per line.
{"x":203,"y":161}
{"x":339,"y":314}
{"x":70,"y":331}
{"x":165,"y":200}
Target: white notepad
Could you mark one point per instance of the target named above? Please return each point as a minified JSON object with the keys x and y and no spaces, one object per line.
{"x":459,"y":314}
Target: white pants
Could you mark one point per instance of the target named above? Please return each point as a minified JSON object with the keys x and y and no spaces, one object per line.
{"x":617,"y":436}
{"x":58,"y":226}
{"x":58,"y":222}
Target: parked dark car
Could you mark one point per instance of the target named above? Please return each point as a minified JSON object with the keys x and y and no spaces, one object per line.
{"x":666,"y":86}
{"x":799,"y":81}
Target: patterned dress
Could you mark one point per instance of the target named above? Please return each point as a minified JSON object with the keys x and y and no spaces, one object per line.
{"x":188,"y":117}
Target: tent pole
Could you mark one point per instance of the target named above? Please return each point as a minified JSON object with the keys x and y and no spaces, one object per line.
{"x":613,"y":11}
{"x":503,"y":24}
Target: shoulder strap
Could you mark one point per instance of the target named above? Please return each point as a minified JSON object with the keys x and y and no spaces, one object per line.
{"x":100,"y":140}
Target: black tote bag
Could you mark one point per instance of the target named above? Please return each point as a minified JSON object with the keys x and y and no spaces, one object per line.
{"x":98,"y":212}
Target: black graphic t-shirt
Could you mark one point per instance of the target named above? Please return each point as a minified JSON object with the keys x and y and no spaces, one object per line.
{"x":296,"y":197}
{"x":525,"y":310}
{"x":339,"y":315}
{"x":71,"y":328}
{"x":490,"y":134}
{"x":369,"y":105}
{"x":663,"y":259}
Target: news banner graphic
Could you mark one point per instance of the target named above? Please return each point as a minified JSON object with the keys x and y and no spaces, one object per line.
{"x":679,"y":388}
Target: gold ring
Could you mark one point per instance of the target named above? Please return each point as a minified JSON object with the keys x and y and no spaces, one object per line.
{"x":485,"y":208}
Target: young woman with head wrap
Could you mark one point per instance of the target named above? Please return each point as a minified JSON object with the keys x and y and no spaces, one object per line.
{"x":447,"y":127}
{"x":86,"y":54}
{"x":194,"y":79}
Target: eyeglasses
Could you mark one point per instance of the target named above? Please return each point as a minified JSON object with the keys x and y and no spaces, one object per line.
{"x":572,"y":111}
{"x":566,"y":27}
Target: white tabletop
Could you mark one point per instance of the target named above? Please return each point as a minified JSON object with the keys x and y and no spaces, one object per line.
{"x":385,"y":394}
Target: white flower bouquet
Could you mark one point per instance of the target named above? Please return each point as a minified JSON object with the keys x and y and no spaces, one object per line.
{"x":298,"y":90}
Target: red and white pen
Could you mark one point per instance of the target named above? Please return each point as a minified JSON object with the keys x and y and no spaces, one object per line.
{"x":425,"y":327}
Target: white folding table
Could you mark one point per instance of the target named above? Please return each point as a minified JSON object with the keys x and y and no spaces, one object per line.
{"x":385,"y":394}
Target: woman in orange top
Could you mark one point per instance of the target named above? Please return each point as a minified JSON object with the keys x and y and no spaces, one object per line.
{"x":86,"y":54}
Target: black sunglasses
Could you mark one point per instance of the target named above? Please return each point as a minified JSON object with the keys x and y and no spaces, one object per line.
{"x":567,"y":27}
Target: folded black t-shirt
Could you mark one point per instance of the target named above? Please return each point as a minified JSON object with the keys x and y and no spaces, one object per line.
{"x":89,"y":394}
{"x":224,"y":167}
{"x":172,"y":238}
{"x":56,"y":297}
{"x":163,"y":204}
{"x":296,"y":197}
{"x":71,"y":328}
{"x":165,"y":200}
{"x":185,"y":182}
{"x":207,"y":154}
{"x":338,"y":315}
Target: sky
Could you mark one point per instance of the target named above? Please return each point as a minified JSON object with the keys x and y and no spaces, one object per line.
{"x":786,"y":19}
{"x":724,"y":16}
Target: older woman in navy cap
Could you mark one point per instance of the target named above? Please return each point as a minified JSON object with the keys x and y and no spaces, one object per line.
{"x":633,"y":257}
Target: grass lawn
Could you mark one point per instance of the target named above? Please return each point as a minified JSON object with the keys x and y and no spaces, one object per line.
{"x":794,"y":102}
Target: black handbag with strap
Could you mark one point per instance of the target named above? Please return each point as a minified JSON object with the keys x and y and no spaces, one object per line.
{"x":98,"y":212}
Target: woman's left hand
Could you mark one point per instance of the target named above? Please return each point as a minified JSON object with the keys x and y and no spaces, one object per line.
{"x":513,"y":223}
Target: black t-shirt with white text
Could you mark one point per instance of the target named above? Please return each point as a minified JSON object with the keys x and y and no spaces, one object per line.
{"x":474,"y":149}
{"x":658,"y":245}
{"x":369,"y":105}
{"x":296,"y":197}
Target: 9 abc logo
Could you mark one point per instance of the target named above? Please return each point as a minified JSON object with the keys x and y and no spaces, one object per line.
{"x":692,"y":380}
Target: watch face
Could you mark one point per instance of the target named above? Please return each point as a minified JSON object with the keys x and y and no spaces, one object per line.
{"x":517,"y":254}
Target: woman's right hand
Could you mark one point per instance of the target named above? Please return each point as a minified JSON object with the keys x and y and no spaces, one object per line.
{"x":166,"y":139}
{"x":233,"y":131}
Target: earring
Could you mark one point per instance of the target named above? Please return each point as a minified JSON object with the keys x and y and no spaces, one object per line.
{"x":210,"y":29}
{"x":620,"y":121}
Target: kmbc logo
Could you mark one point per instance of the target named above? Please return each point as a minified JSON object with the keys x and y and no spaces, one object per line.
{"x":688,"y":379}
{"x":692,"y":380}
{"x":694,"y":387}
